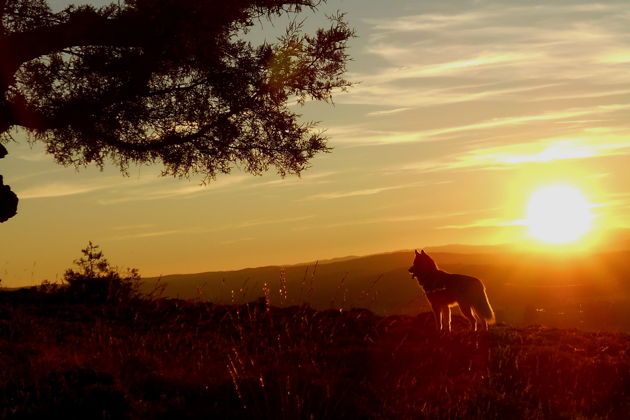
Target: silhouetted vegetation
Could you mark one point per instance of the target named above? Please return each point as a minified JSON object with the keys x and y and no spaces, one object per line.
{"x":168,"y":358}
{"x":96,"y":280}
{"x":168,"y":81}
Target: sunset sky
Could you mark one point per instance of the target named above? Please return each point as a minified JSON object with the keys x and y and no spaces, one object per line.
{"x":462,"y":110}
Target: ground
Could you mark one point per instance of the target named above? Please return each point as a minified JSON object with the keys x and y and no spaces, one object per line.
{"x":166,"y":358}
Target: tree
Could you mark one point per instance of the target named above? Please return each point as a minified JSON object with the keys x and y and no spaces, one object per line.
{"x":167,"y":81}
{"x":97,"y":280}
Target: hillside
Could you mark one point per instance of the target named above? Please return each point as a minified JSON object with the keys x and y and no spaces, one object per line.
{"x":163,"y":359}
{"x":564,"y":291}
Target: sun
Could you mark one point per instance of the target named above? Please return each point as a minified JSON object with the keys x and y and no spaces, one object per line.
{"x":558,"y":214}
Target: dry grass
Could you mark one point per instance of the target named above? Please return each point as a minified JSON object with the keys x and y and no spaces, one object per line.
{"x":180,"y":359}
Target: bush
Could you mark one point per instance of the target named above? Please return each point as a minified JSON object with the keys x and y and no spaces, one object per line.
{"x":96,"y":280}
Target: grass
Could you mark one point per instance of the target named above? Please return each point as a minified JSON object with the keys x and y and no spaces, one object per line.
{"x":168,"y":358}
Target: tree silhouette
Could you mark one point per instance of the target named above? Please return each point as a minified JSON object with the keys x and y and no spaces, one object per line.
{"x":167,"y":81}
{"x":96,"y":279}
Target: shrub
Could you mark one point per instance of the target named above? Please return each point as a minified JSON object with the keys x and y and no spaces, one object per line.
{"x":96,"y":280}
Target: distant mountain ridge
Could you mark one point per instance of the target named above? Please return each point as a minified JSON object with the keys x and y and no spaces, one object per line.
{"x":581,"y":290}
{"x":451,"y":248}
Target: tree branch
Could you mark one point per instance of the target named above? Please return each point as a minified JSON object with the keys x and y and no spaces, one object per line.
{"x":165,"y":80}
{"x":80,"y":30}
{"x":3,"y":4}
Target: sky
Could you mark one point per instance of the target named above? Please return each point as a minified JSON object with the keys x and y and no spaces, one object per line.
{"x":460,"y":112}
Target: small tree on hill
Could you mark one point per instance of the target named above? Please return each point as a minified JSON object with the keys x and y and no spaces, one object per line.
{"x":96,"y":280}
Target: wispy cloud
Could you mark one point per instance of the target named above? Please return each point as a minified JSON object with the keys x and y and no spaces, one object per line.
{"x":306,"y":179}
{"x":181,"y":189}
{"x":34,"y":156}
{"x":388,"y":220}
{"x":509,"y":121}
{"x":147,"y":231}
{"x":117,"y":189}
{"x":352,"y":193}
{"x":74,"y":185}
{"x":237,"y":241}
{"x":524,"y":64}
{"x":486,"y":223}
{"x":265,"y":222}
{"x":387,"y":112}
{"x":59,"y":189}
{"x":424,"y":97}
{"x":368,"y":191}
{"x":543,"y":151}
{"x":361,"y":135}
{"x":134,"y":227}
{"x":446,"y":68}
{"x":151,"y":234}
{"x":37,"y":174}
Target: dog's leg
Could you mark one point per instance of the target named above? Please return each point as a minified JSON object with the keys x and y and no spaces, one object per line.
{"x":484,"y":324}
{"x":437,"y":315}
{"x":446,"y":317}
{"x":468,"y":313}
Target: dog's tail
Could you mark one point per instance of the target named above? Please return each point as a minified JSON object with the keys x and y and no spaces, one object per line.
{"x":483,"y":308}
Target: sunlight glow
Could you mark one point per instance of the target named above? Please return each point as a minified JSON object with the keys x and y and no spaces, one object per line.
{"x":558,"y":214}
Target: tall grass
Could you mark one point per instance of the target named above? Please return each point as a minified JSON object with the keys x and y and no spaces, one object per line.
{"x":168,"y":358}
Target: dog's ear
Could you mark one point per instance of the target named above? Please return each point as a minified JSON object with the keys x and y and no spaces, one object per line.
{"x":417,"y":253}
{"x":423,"y":253}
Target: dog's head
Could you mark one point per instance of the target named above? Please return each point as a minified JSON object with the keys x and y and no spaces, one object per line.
{"x":422,"y":265}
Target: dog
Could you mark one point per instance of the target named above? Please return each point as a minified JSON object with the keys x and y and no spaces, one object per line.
{"x":445,"y":290}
